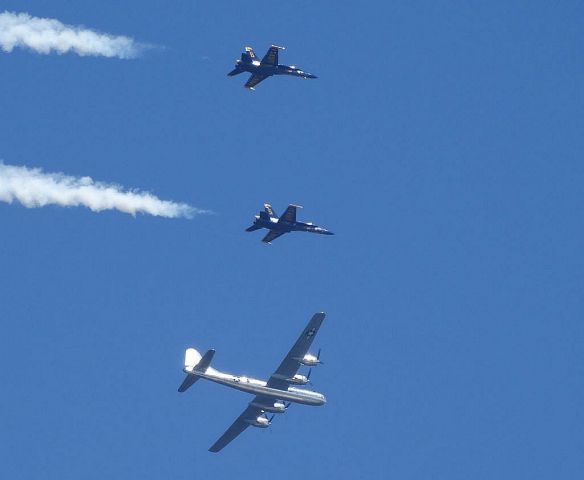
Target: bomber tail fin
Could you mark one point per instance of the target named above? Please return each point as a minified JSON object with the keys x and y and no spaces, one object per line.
{"x":195,"y":363}
{"x":203,"y":365}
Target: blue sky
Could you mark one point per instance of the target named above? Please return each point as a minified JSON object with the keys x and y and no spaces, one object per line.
{"x":441,"y":142}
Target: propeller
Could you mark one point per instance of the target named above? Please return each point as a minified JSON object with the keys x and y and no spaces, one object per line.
{"x":308,"y":376}
{"x":318,"y":357}
{"x":288,"y":405}
{"x":270,"y":419}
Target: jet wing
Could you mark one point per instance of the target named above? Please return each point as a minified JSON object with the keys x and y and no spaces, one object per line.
{"x":254,"y":80}
{"x":239,"y":425}
{"x":271,"y":58}
{"x":271,"y":236}
{"x":290,"y":213}
{"x":290,"y":365}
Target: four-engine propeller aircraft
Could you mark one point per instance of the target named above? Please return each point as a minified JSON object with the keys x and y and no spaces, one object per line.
{"x":269,"y":396}
{"x":268,"y":66}
{"x":280,"y":225}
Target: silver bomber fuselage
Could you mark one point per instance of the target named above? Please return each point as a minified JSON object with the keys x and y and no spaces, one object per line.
{"x":259,"y":387}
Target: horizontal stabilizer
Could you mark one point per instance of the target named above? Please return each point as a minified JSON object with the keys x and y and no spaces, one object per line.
{"x":253,"y":228}
{"x":187,"y":383}
{"x":235,"y":71}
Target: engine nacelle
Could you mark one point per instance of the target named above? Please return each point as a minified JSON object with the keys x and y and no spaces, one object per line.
{"x":296,"y":379}
{"x":309,"y":360}
{"x":276,"y":407}
{"x":260,"y":422}
{"x":299,"y":379}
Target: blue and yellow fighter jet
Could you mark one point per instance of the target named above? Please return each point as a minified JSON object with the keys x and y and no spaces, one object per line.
{"x":266,"y":68}
{"x":280,"y":225}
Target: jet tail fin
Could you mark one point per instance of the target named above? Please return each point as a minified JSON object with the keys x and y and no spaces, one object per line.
{"x":248,"y":55}
{"x":269,"y":210}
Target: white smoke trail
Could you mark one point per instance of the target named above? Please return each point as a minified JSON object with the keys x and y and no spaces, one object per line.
{"x":34,"y":188}
{"x":44,"y":35}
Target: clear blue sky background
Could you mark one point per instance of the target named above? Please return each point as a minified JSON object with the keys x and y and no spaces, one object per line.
{"x":442,"y":143}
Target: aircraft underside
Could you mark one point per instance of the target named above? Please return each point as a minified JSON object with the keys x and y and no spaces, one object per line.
{"x":250,"y":385}
{"x":267,"y":67}
{"x":269,"y":396}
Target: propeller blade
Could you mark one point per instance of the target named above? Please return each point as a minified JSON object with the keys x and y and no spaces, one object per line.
{"x":318,"y":355}
{"x":270,"y":420}
{"x":286,"y":406}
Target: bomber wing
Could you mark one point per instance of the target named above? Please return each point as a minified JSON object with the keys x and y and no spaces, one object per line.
{"x":271,"y":57}
{"x":290,"y":365}
{"x":288,"y":368}
{"x":271,"y":236}
{"x":240,"y":424}
{"x":290,"y":214}
{"x":254,"y":80}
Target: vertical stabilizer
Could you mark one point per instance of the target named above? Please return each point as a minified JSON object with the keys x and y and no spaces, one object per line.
{"x":194,"y":364}
{"x":192,"y":358}
{"x":250,"y":52}
{"x":269,"y":210}
{"x":203,"y":365}
{"x":248,"y":56}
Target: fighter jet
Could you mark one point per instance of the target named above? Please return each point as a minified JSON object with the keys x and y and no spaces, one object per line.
{"x":270,"y":396}
{"x":266,"y":68}
{"x":284,"y":224}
